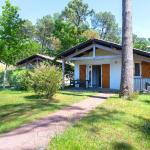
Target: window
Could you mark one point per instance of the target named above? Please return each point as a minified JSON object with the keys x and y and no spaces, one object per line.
{"x":137,"y":69}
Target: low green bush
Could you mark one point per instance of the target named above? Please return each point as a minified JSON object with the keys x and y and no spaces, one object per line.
{"x":46,"y":80}
{"x":19,"y":79}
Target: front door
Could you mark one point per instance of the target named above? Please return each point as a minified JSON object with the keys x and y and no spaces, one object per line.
{"x":96,"y":74}
{"x":106,"y":76}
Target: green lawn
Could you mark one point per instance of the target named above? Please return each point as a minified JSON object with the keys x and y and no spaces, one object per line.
{"x":115,"y":125}
{"x":18,"y":107}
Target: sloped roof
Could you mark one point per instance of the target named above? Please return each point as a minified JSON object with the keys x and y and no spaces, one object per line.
{"x":103,"y":43}
{"x":43,"y":57}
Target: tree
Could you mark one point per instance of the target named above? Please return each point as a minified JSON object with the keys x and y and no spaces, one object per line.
{"x":44,"y":29}
{"x":91,"y":34}
{"x":77,"y":12}
{"x":68,"y":34}
{"x":105,"y":24}
{"x":141,"y":43}
{"x":127,"y":51}
{"x":28,"y":29}
{"x":15,"y":43}
{"x":10,"y":35}
{"x":29,"y":47}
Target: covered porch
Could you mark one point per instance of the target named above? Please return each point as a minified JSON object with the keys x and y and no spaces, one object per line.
{"x":93,"y":76}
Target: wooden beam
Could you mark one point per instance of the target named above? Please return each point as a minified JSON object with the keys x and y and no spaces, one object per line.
{"x":94,"y":51}
{"x":96,"y":57}
{"x":108,"y":49}
{"x":79,"y":52}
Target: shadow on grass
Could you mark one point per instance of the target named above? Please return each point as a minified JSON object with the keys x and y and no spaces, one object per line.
{"x":73,"y":94}
{"x":101,"y":114}
{"x":146,"y":101}
{"x":122,"y":146}
{"x":143,"y":126}
{"x":10,"y":112}
{"x":80,"y":94}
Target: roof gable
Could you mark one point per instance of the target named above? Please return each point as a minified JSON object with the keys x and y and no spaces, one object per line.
{"x":101,"y":43}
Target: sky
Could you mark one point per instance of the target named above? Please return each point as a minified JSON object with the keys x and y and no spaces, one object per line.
{"x":35,"y":9}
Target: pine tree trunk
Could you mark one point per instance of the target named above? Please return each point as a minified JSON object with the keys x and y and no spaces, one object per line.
{"x":5,"y":77}
{"x":127,"y":76}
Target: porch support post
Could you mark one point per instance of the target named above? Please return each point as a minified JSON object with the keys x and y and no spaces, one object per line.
{"x":91,"y":75}
{"x":63,"y":73}
{"x":94,"y":50}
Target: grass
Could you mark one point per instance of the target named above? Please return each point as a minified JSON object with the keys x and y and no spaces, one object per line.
{"x":18,"y":107}
{"x":115,"y":125}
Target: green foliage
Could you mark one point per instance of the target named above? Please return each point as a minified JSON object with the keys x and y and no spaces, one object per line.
{"x":77,"y":12}
{"x":10,"y":33}
{"x":29,"y":47}
{"x":105,"y":24}
{"x":19,"y":79}
{"x":68,"y":34}
{"x":46,"y":80}
{"x":44,"y":29}
{"x":28,"y":29}
{"x":91,"y":34}
{"x":15,"y":36}
{"x":141,"y":43}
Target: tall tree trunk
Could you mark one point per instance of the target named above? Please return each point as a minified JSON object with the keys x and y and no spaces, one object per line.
{"x":127,"y":76}
{"x":5,"y":77}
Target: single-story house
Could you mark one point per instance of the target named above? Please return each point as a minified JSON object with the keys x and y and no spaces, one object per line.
{"x":35,"y":60}
{"x":98,"y":63}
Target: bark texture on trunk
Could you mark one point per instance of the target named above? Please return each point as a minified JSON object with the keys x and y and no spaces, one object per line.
{"x":127,"y":75}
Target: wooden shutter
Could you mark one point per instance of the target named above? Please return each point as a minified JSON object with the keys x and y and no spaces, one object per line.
{"x":145,"y":69}
{"x":106,"y":76}
{"x":82,"y":72}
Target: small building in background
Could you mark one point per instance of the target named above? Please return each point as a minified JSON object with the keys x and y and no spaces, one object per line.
{"x":35,"y":60}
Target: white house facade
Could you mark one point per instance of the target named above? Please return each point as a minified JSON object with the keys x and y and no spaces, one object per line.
{"x":98,"y":63}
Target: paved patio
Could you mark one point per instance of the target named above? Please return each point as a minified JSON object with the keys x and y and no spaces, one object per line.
{"x":36,"y":136}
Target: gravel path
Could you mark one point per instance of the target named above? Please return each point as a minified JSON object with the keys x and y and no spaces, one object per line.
{"x":36,"y":136}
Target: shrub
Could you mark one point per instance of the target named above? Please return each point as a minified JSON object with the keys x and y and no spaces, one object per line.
{"x":46,"y":80}
{"x":19,"y":79}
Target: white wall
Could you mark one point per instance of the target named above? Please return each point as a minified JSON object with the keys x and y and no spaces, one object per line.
{"x":76,"y":72}
{"x":115,"y":69}
{"x":115,"y":74}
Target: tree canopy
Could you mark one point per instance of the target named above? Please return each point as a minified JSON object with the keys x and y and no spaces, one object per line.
{"x":44,"y":29}
{"x":15,"y":41}
{"x":77,"y":12}
{"x":10,"y":33}
{"x":68,"y":34}
{"x":141,"y":43}
{"x":106,"y":25}
{"x":19,"y":38}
